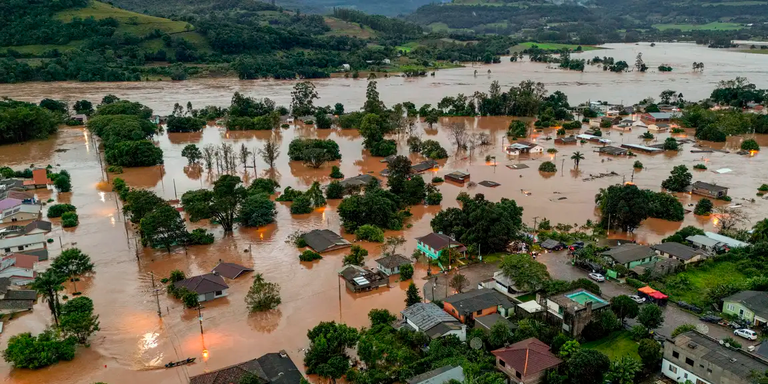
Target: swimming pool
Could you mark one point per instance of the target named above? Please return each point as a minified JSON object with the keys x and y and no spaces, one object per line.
{"x":583,"y":297}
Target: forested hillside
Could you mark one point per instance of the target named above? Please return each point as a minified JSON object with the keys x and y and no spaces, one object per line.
{"x":595,"y":21}
{"x":93,"y":41}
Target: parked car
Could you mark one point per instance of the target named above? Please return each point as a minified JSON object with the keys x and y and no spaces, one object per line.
{"x":746,"y":333}
{"x":637,"y":299}
{"x":576,"y":246}
{"x":690,"y":307}
{"x":597,"y":277}
{"x":711,"y":319}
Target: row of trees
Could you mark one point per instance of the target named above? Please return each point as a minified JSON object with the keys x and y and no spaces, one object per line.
{"x":20,"y":121}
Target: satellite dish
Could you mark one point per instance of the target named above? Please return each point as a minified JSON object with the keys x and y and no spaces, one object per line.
{"x":476,"y":343}
{"x":702,"y":328}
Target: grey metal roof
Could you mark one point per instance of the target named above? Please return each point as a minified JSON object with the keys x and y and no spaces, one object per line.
{"x":550,"y":243}
{"x":426,"y":315}
{"x":21,"y":295}
{"x":322,"y":240}
{"x":709,"y":187}
{"x":488,"y":321}
{"x":392,"y":261}
{"x":357,"y":181}
{"x":629,"y":252}
{"x":735,"y":361}
{"x":271,"y":368}
{"x":203,"y":284}
{"x":230,"y":270}
{"x":473,"y":301}
{"x":756,"y":301}
{"x":439,"y":376}
{"x":703,"y":240}
{"x":678,"y":250}
{"x":22,"y":240}
{"x":731,"y":242}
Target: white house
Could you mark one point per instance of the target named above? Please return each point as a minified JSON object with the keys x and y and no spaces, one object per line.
{"x":21,"y":212}
{"x":29,"y":244}
{"x":207,"y":287}
{"x":432,"y":320}
{"x":346,"y":67}
{"x":19,"y":268}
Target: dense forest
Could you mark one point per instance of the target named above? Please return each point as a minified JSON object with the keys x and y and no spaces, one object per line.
{"x":246,"y":38}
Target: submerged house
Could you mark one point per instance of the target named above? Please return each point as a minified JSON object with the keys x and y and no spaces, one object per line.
{"x":28,"y":244}
{"x":19,"y":268}
{"x":431,"y":245}
{"x":13,"y":211}
{"x":207,"y":287}
{"x":523,"y":147}
{"x":324,"y":240}
{"x":272,"y":368}
{"x":390,"y":264}
{"x":39,"y":180}
{"x":359,"y":279}
{"x":432,"y":320}
{"x":13,"y":301}
{"x":709,"y":190}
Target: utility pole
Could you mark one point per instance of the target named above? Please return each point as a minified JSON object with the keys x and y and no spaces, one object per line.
{"x":156,"y":293}
{"x":562,"y":168}
{"x":200,"y":317}
{"x":340,"y":315}
{"x":534,"y":223}
{"x":176,"y":196}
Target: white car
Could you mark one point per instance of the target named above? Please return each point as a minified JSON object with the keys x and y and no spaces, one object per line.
{"x":746,"y":333}
{"x":597,"y":277}
{"x":637,"y":299}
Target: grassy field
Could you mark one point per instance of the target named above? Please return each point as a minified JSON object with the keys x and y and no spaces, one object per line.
{"x":130,"y":22}
{"x":758,"y":51}
{"x":39,"y":49}
{"x":714,"y":26}
{"x":344,"y":28}
{"x":407,"y":47}
{"x":701,"y":280}
{"x":616,"y":345}
{"x":553,"y":46}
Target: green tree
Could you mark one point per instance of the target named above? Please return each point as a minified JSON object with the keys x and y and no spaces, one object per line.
{"x":372,"y":102}
{"x":326,"y":341}
{"x":381,"y":317}
{"x":622,"y":206}
{"x":528,"y":274}
{"x":637,"y":165}
{"x":228,"y":195}
{"x":336,"y":173}
{"x":72,"y":263}
{"x":500,"y":335}
{"x":517,"y":129}
{"x":63,"y":183}
{"x":57,"y":210}
{"x":140,"y":153}
{"x":432,"y":118}
{"x":569,"y":349}
{"x":83,"y":107}
{"x":334,"y":190}
{"x":683,"y":329}
{"x":48,"y":284}
{"x":548,"y":167}
{"x":587,"y":366}
{"x":356,"y":256}
{"x":33,"y":352}
{"x":459,"y":282}
{"x":163,"y":227}
{"x":303,"y":97}
{"x":412,"y":295}
{"x":624,"y":307}
{"x":750,"y":145}
{"x":139,"y":203}
{"x":670,"y":144}
{"x":577,"y":157}
{"x":263,"y":295}
{"x":650,"y":353}
{"x":257,"y":210}
{"x":759,"y":232}
{"x":78,"y":320}
{"x":650,"y":316}
{"x":406,"y":272}
{"x":69,"y":219}
{"x":679,"y":179}
{"x":703,"y":207}
{"x":624,"y":370}
{"x":192,"y":153}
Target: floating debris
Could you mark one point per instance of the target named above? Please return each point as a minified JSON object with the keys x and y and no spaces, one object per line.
{"x":723,"y":170}
{"x":517,"y":166}
{"x":489,"y":184}
{"x":599,"y":176}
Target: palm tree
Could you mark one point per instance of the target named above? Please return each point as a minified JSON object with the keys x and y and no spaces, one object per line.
{"x":577,"y":157}
{"x":48,"y":284}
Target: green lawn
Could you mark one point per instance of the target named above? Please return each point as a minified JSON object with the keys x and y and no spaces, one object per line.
{"x":701,"y":279}
{"x":130,"y":22}
{"x":553,"y":46}
{"x":526,"y":298}
{"x":493,"y":257}
{"x":758,"y":51}
{"x":616,"y":345}
{"x":407,"y":47}
{"x":344,"y":28}
{"x":714,"y":26}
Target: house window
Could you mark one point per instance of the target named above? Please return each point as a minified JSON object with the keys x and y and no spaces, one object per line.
{"x":21,"y":248}
{"x":672,"y":368}
{"x":480,"y":312}
{"x":709,"y":370}
{"x":675,"y":354}
{"x":218,"y":293}
{"x":502,"y":363}
{"x":7,"y":249}
{"x":689,"y":361}
{"x":519,"y":376}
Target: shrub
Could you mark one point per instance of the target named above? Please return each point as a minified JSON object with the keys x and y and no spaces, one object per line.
{"x":438,"y":179}
{"x":115,"y":169}
{"x":750,"y":145}
{"x":200,"y":236}
{"x":69,"y":219}
{"x":548,"y":167}
{"x":434,"y":198}
{"x":336,"y":173}
{"x":551,"y":150}
{"x":635,"y":283}
{"x":406,"y":272}
{"x":384,"y":148}
{"x":301,"y":205}
{"x":334,"y":190}
{"x":309,"y":255}
{"x":370,"y":233}
{"x":703,"y":207}
{"x":647,"y":136}
{"x":700,"y":166}
{"x":57,"y":210}
{"x":638,"y":332}
{"x":638,"y":164}
{"x":733,"y":343}
{"x":763,"y":188}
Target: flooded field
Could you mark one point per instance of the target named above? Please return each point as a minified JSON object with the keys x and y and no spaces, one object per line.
{"x":592,"y":84}
{"x":134,"y":343}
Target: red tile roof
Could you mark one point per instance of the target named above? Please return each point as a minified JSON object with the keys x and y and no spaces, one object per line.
{"x":528,"y":357}
{"x":22,"y":260}
{"x":39,"y":177}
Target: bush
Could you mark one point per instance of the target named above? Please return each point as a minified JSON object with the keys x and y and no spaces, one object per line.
{"x":434,"y":198}
{"x":309,"y":255}
{"x":763,"y":188}
{"x":438,"y":179}
{"x":635,"y":283}
{"x":733,"y":343}
{"x":647,"y":136}
{"x":334,"y":190}
{"x":69,"y":219}
{"x":58,"y":210}
{"x":638,"y":332}
{"x":370,"y":233}
{"x":548,"y":167}
{"x":703,"y":207}
{"x":115,"y":169}
{"x":200,"y":236}
{"x":551,"y":150}
{"x":406,"y":272}
{"x":301,"y":205}
{"x":336,"y":173}
{"x":33,"y":352}
{"x":700,"y":166}
{"x":384,"y":148}
{"x":750,"y":145}
{"x":638,"y":164}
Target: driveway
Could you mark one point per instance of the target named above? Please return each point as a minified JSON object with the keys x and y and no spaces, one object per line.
{"x":559,"y":267}
{"x":438,"y":284}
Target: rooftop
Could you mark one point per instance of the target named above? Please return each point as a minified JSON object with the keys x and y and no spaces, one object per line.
{"x":357,"y":181}
{"x":230,"y":270}
{"x":528,"y":357}
{"x":426,"y":315}
{"x":22,"y":240}
{"x":392,"y":261}
{"x":439,"y":376}
{"x":703,"y":240}
{"x":203,"y":284}
{"x":678,"y":250}
{"x":577,"y":300}
{"x":489,"y":321}
{"x":616,"y":151}
{"x":438,"y":241}
{"x":661,"y":115}
{"x":272,"y":368}
{"x":22,"y":261}
{"x":9,"y":203}
{"x":756,"y":301}
{"x":550,"y":244}
{"x":640,"y":147}
{"x":731,"y":242}
{"x":629,"y":252}
{"x":473,"y":301}
{"x":322,"y":240}
{"x":735,"y":361}
{"x":709,"y":187}
{"x":38,"y":224}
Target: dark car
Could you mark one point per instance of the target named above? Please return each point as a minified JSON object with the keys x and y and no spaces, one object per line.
{"x":711,"y":319}
{"x":576,"y":246}
{"x":690,"y":307}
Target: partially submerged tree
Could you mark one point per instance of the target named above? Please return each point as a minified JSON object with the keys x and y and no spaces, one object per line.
{"x":528,"y":274}
{"x":163,"y":227}
{"x":262,"y":295}
{"x":270,"y":152}
{"x":459,"y":282}
{"x":192,"y":153}
{"x":72,"y":263}
{"x":48,"y":284}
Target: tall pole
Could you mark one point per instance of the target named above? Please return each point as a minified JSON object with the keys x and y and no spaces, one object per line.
{"x":562,"y":168}
{"x":176,"y":196}
{"x":340,"y":315}
{"x":200,"y":317}
{"x":157,"y":296}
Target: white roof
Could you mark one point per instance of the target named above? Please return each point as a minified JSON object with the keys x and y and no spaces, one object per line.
{"x":22,"y":240}
{"x":530,"y":306}
{"x":703,"y":240}
{"x":31,"y":208}
{"x":724,"y":170}
{"x":731,"y":242}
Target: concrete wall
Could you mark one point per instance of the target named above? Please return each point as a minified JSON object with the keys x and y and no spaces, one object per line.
{"x":455,"y":312}
{"x":678,"y":374}
{"x":512,"y":374}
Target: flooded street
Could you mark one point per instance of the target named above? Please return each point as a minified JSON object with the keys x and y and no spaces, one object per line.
{"x":592,"y":84}
{"x":134,"y":343}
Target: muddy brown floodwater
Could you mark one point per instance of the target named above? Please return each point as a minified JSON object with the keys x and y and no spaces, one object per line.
{"x":134,"y":343}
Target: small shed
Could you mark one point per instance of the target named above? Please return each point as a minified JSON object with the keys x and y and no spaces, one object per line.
{"x":324,"y":240}
{"x":709,"y":190}
{"x":457,"y":176}
{"x":614,"y":151}
{"x":391,"y":264}
{"x":566,"y":140}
